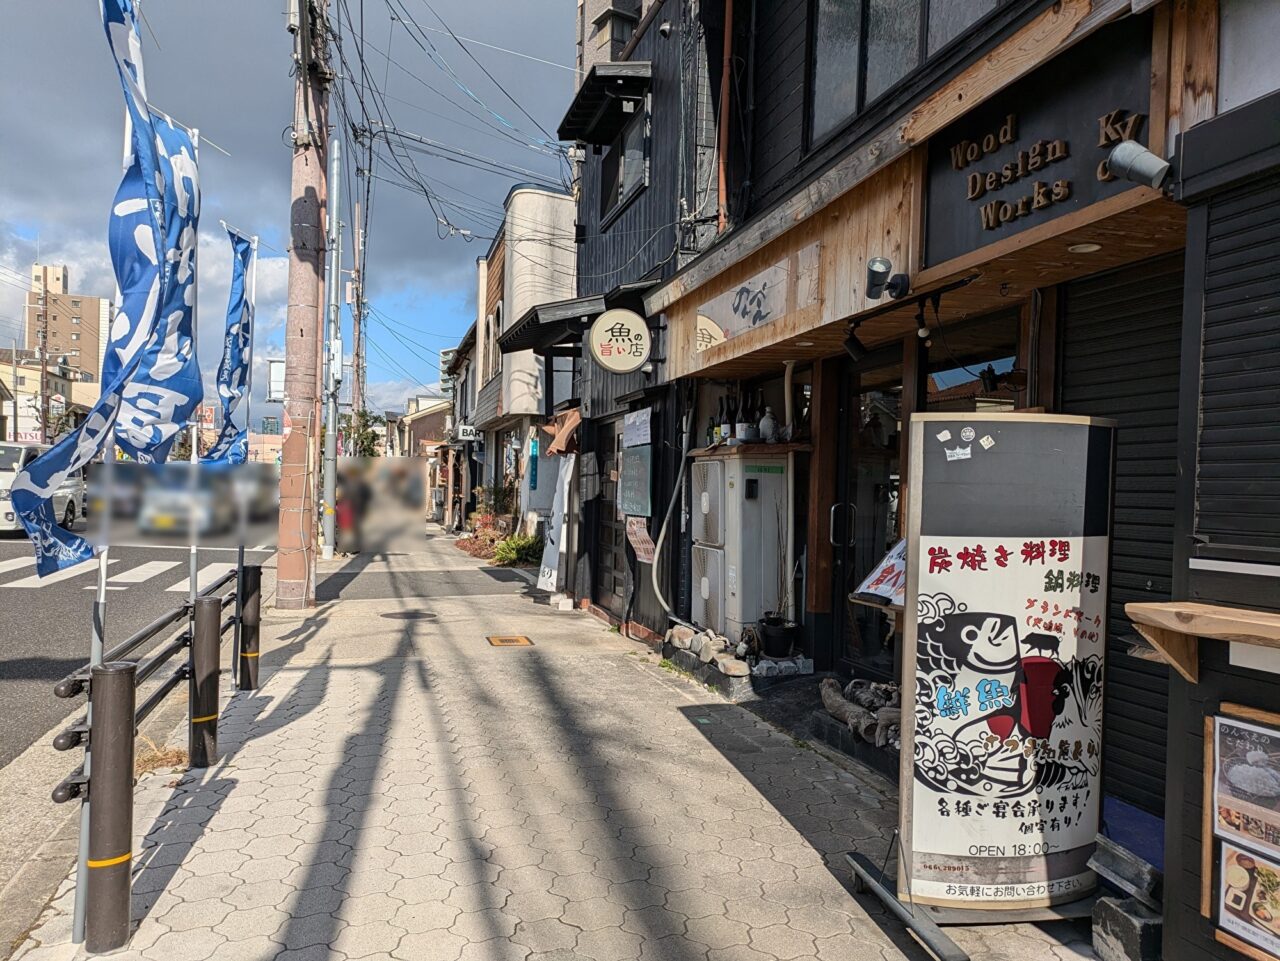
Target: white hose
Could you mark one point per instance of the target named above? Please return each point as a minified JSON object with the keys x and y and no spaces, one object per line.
{"x":675,"y":496}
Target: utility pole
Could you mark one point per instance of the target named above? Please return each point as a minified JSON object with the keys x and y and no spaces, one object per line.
{"x":14,"y":374}
{"x":334,"y":340}
{"x":308,"y":22}
{"x":357,"y":307}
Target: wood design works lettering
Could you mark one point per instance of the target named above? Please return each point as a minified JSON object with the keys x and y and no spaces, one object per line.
{"x":1113,"y":127}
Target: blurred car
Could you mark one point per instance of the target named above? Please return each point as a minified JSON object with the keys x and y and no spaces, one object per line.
{"x":70,"y":500}
{"x":178,"y":493}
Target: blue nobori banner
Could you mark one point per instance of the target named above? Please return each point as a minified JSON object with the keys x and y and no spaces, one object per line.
{"x":150,"y":381}
{"x":232,"y":446}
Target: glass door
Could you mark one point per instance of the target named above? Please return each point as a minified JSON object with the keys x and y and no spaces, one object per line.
{"x":864,"y":521}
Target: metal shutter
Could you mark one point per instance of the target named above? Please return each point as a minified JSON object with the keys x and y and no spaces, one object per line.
{"x":1120,"y":358}
{"x":1238,"y":470}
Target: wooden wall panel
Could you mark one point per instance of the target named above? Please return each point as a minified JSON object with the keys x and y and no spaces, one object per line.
{"x":876,"y":219}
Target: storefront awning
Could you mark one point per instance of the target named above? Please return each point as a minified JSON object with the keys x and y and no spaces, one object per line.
{"x":550,"y":325}
{"x":609,"y":97}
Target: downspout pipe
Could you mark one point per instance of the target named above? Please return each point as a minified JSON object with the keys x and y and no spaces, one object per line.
{"x":723,"y":136}
{"x":788,"y":406}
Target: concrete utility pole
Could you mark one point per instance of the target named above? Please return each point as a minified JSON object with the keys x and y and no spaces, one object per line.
{"x":13,"y":359}
{"x":334,"y":340}
{"x":357,"y":308}
{"x":308,"y":22}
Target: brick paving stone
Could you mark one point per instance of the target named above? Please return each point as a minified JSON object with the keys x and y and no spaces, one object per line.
{"x":485,"y":925}
{"x":429,"y":946}
{"x":608,"y":944}
{"x":405,"y":791}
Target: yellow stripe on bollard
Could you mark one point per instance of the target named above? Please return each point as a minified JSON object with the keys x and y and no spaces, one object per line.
{"x":110,"y":862}
{"x":248,"y":653}
{"x":201,"y":720}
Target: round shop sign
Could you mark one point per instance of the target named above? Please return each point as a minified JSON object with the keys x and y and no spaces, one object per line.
{"x":620,"y":341}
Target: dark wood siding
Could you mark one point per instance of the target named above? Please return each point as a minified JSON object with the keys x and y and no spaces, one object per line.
{"x":1187,"y":935}
{"x":780,"y":103}
{"x":1238,"y":471}
{"x":641,"y":239}
{"x":781,"y":160}
{"x":1120,"y":359}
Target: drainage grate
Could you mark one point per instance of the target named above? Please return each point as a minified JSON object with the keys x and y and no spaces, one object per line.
{"x":509,"y":640}
{"x":410,"y":616}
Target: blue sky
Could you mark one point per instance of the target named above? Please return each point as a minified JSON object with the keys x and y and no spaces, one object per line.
{"x":225,"y":68}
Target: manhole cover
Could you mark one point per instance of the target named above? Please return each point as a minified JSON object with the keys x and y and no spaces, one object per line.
{"x":509,"y":640}
{"x":410,"y":616}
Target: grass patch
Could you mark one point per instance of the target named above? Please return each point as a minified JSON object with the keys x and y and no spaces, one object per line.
{"x":156,"y":758}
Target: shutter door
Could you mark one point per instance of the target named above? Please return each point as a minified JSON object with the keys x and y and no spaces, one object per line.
{"x":1238,"y":477}
{"x":1121,"y":335}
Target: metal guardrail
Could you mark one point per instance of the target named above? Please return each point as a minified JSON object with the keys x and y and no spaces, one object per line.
{"x":108,"y":728}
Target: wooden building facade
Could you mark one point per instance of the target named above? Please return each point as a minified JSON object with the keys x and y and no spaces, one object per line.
{"x":971,"y":152}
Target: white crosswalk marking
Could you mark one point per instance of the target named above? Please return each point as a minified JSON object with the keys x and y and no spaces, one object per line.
{"x":136,"y":575}
{"x":204,"y":577}
{"x":17,"y":564}
{"x":84,"y":567}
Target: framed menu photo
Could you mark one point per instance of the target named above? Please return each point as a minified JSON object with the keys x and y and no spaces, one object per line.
{"x":1246,"y":784}
{"x":1249,"y":903}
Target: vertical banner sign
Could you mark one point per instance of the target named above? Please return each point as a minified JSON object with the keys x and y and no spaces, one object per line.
{"x":150,"y":382}
{"x":555,"y":543}
{"x":1008,"y":550}
{"x":232,"y":445}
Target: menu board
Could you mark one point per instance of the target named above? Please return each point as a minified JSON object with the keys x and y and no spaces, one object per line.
{"x":1007,"y":564}
{"x":1249,"y":900}
{"x":1246,"y":784}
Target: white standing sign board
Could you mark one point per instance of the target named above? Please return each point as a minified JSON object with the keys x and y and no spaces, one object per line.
{"x":1007,"y":561}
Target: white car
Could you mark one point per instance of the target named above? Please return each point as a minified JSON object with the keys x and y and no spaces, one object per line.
{"x":70,"y":501}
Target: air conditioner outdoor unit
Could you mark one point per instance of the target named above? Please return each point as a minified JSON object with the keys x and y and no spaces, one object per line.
{"x":739,"y":501}
{"x":708,"y":500}
{"x":708,"y":587}
{"x":755,"y":538}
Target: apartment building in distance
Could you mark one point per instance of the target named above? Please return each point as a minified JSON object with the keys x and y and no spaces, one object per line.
{"x":69,"y":325}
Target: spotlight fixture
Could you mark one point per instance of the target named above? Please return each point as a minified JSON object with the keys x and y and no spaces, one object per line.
{"x":1129,"y":160}
{"x":855,"y":348}
{"x":881,"y":280}
{"x":664,"y":30}
{"x":922,"y":329}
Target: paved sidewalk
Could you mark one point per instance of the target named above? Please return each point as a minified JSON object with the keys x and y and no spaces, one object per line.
{"x":397,"y":788}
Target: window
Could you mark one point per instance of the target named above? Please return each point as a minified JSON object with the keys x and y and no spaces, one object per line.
{"x":862,"y":49}
{"x":75,"y":336}
{"x":75,"y":351}
{"x":75,"y":303}
{"x":75,"y":320}
{"x":623,"y":171}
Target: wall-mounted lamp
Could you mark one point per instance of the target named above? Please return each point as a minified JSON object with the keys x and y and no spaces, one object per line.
{"x":881,"y":280}
{"x":922,"y":329}
{"x":1129,"y":160}
{"x":664,"y":30}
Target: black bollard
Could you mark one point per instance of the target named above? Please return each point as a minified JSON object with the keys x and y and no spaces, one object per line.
{"x":206,"y":642}
{"x":251,"y":619}
{"x":111,"y":807}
